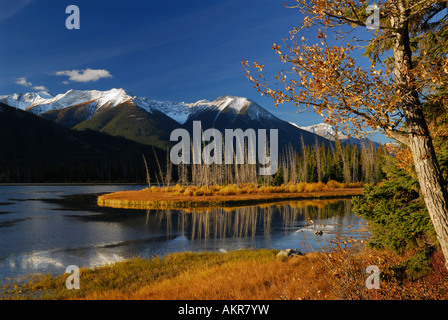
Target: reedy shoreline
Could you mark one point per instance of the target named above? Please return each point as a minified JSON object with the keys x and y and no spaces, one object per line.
{"x":179,"y":197}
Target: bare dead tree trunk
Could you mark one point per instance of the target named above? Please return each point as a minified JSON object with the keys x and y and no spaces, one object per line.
{"x":319,"y":164}
{"x":304,"y":162}
{"x":355,"y":166}
{"x":148,"y":179}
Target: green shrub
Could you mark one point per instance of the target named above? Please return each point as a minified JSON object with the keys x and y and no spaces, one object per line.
{"x":415,"y":267}
{"x":278,"y":179}
{"x":397,"y":216}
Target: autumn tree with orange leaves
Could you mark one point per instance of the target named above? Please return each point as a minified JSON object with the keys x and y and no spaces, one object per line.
{"x":408,"y":65}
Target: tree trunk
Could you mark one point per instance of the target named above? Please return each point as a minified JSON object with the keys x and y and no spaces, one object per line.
{"x":318,"y":160}
{"x":433,"y":186}
{"x":418,"y":139}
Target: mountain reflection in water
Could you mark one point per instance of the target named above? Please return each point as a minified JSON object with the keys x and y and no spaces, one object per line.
{"x":333,"y":217}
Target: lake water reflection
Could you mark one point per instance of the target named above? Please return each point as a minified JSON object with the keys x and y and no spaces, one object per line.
{"x":47,"y":228}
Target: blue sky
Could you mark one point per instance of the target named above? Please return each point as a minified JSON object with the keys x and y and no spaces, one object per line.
{"x":176,"y":50}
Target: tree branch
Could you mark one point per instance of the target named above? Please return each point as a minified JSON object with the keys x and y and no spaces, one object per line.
{"x":400,"y":136}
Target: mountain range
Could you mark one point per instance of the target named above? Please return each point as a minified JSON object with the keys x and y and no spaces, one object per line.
{"x":94,"y":129}
{"x":119,"y":113}
{"x":328,"y":131}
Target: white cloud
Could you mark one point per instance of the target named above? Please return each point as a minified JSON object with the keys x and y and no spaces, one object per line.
{"x":40,"y":88}
{"x":22,"y":81}
{"x":85,"y":75}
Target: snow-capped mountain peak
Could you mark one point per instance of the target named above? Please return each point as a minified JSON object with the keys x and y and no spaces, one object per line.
{"x":324,"y":130}
{"x":25,"y":100}
{"x":72,"y":97}
{"x":235,"y":103}
{"x":42,"y":102}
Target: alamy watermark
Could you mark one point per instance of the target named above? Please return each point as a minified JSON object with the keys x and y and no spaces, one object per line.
{"x":373,"y":21}
{"x":373,"y":280}
{"x":73,"y":20}
{"x":72,"y":281}
{"x":207,"y":147}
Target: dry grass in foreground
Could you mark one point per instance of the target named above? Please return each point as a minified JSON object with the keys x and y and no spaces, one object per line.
{"x":250,"y":275}
{"x":230,"y":195}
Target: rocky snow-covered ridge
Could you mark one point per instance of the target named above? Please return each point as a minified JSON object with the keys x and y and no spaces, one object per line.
{"x":25,"y":100}
{"x":324,"y":130}
{"x":41,"y":102}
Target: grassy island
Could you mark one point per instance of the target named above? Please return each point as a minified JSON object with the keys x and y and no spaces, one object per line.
{"x":225,"y":196}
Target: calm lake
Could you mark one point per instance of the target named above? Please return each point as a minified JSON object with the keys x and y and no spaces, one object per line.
{"x":49,"y":227}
